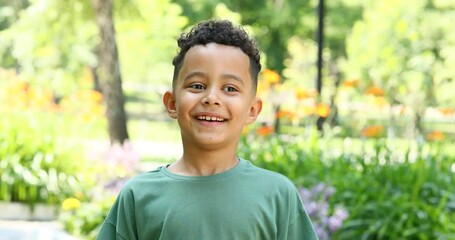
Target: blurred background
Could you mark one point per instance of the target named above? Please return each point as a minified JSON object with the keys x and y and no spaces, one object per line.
{"x":359,"y":107}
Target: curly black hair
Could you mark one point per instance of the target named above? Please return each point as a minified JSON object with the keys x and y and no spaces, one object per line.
{"x":221,"y":32}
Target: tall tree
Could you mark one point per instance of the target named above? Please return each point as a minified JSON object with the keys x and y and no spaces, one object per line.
{"x":54,"y":43}
{"x":109,"y":72}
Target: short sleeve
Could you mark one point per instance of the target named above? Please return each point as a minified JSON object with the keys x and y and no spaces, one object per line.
{"x":120,"y":223}
{"x":300,"y":227}
{"x":108,"y":231}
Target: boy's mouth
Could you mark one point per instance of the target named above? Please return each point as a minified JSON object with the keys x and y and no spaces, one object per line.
{"x":210,"y":118}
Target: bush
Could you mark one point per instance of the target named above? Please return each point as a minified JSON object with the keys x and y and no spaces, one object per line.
{"x":85,"y":219}
{"x":84,"y":215}
{"x":390,"y":190}
{"x":35,"y":167}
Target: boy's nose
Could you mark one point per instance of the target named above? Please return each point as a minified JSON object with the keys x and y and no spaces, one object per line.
{"x":211,"y":98}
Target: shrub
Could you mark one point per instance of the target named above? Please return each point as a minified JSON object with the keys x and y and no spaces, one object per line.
{"x":391,"y":189}
{"x":83,"y":216}
{"x":86,"y":219}
{"x":35,"y":167}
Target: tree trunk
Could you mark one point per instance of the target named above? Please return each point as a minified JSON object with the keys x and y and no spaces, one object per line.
{"x":109,"y":72}
{"x":96,"y":80}
{"x":320,"y":40}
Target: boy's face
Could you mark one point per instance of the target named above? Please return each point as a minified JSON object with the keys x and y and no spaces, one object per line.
{"x":213,"y":96}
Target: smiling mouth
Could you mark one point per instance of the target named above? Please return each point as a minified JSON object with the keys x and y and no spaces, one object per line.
{"x":210,"y":119}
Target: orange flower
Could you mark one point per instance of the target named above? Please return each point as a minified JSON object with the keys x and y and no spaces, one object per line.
{"x":301,"y":93}
{"x":376,"y":91}
{"x":285,"y":114}
{"x":265,"y":130}
{"x":435,"y":136}
{"x":351,"y":83}
{"x":271,"y":76}
{"x":322,"y":110}
{"x":447,"y":111}
{"x":372,"y":131}
{"x":87,"y":104}
{"x":19,"y":94}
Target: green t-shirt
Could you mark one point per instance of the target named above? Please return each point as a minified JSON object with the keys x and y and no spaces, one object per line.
{"x":245,"y":202}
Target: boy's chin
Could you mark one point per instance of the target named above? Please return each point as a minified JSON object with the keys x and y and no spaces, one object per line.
{"x":209,"y":142}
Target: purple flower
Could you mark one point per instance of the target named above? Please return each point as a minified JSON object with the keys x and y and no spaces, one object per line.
{"x":316,"y":202}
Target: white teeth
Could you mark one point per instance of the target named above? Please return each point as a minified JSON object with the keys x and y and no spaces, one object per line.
{"x":208,"y":118}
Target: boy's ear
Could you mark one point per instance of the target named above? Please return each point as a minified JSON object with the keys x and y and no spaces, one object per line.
{"x":169,"y":103}
{"x":255,"y":109}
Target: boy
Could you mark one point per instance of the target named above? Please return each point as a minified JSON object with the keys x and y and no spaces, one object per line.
{"x":210,"y":194}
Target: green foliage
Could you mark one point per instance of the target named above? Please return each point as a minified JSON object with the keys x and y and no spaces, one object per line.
{"x":87,"y":219}
{"x":34,"y":167}
{"x":146,"y":40}
{"x":273,"y":22}
{"x":390,"y":193}
{"x":55,"y":41}
{"x":397,"y":46}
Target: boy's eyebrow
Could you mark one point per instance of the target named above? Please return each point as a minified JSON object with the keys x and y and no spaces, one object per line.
{"x":202,"y":74}
{"x":192,"y":74}
{"x":233,"y":76}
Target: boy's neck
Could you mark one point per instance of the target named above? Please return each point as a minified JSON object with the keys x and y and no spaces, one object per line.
{"x":204,"y":163}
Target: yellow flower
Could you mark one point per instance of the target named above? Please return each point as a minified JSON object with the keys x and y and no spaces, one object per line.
{"x":95,"y":96}
{"x":322,"y":110}
{"x":380,"y":102}
{"x":263,"y":87}
{"x":302,"y":93}
{"x":308,"y":109}
{"x":271,"y":76}
{"x":71,"y":203}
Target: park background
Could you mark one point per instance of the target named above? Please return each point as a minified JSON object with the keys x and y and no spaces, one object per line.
{"x":370,"y":145}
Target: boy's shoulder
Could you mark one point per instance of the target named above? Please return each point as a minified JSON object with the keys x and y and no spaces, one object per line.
{"x":273,"y":178}
{"x":144,"y":178}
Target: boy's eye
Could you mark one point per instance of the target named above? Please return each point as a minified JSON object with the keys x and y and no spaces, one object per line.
{"x":197,"y":86}
{"x":230,"y":89}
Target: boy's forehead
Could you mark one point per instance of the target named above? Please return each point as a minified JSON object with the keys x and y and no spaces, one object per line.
{"x":229,"y":57}
{"x":216,"y":47}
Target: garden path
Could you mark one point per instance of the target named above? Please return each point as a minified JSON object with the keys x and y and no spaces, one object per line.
{"x":23,"y":230}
